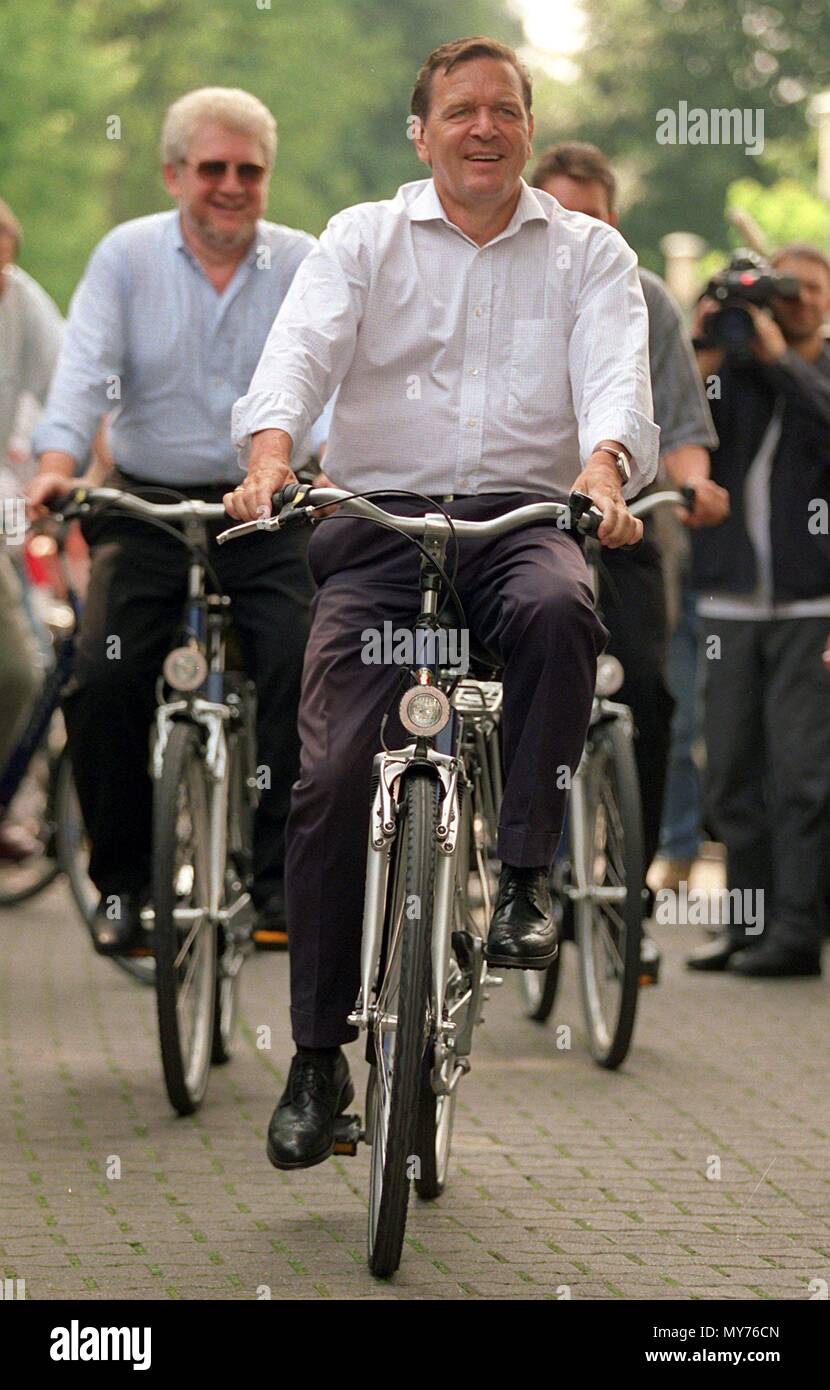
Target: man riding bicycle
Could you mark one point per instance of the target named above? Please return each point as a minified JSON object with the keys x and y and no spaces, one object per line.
{"x":483,"y":340}
{"x":164,"y":331}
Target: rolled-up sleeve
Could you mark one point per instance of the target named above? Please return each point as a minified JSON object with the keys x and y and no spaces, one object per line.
{"x":608,"y":359}
{"x":91,"y":361}
{"x":312,"y":341}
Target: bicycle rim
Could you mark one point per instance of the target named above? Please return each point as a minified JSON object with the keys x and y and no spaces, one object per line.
{"x":609,"y":919}
{"x":184,"y":935}
{"x":401,"y":1024}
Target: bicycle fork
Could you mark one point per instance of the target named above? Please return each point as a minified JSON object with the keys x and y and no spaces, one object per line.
{"x":389,"y":770}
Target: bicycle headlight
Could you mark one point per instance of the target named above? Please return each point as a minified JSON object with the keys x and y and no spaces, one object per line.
{"x":185,"y":668}
{"x":609,"y":675}
{"x":424,"y":710}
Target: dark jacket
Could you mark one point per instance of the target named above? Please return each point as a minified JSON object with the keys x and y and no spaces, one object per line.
{"x":723,"y":559}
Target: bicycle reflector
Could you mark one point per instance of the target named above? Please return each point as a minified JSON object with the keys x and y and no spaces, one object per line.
{"x":609,"y":675}
{"x":424,"y":710}
{"x":185,"y":668}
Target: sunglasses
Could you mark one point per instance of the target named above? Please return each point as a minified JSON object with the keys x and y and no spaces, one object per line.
{"x":213,"y":170}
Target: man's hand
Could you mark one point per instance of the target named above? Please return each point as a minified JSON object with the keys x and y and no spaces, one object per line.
{"x":56,"y":477}
{"x":599,"y":480}
{"x":252,"y":499}
{"x":769,"y":343}
{"x":709,"y":359}
{"x":711,"y":505}
{"x":268,"y":471}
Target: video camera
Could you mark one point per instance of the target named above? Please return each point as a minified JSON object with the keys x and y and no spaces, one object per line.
{"x":747,"y":279}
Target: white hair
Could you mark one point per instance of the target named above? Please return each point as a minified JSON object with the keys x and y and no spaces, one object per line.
{"x":229,"y":107}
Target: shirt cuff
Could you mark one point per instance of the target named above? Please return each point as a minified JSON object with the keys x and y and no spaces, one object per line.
{"x":267,"y":410}
{"x":640,"y":436}
{"x":63,"y":438}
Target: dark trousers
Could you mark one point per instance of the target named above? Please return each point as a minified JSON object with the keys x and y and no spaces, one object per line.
{"x":767,"y":723}
{"x":527,"y":598}
{"x":137,"y":591}
{"x":633,"y":607}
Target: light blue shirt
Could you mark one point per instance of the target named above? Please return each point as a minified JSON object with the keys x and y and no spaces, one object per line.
{"x":150,"y":342}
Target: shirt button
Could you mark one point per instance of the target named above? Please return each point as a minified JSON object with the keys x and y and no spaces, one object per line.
{"x":478,"y":311}
{"x":472,"y":422}
{"x":474,"y":371}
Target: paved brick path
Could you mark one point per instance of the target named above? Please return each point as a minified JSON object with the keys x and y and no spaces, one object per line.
{"x":566,"y":1180}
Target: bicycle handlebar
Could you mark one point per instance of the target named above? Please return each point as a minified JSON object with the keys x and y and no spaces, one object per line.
{"x":584,"y":518}
{"x":81,"y":498}
{"x":681,"y":497}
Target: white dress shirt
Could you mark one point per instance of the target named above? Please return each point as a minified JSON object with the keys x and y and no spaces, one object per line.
{"x":462,"y":369}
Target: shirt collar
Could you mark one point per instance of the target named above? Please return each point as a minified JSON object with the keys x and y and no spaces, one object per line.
{"x":427,"y":207}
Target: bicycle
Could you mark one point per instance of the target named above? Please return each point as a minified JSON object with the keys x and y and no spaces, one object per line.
{"x":203,"y":764}
{"x":599,"y":880}
{"x":429,"y":879}
{"x":37,"y":789}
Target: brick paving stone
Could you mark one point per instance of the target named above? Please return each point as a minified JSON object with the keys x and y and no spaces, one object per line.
{"x":566,"y":1179}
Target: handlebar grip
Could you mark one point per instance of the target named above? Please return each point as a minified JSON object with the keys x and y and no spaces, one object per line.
{"x":285,"y":496}
{"x":60,"y":503}
{"x":584,"y":516}
{"x":688,"y":491}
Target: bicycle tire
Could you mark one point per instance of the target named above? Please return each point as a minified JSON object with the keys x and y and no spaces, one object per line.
{"x":181,"y":807}
{"x":403,"y":993}
{"x":237,"y":872}
{"x":609,"y":938}
{"x":539,"y":989}
{"x":20,"y":882}
{"x":72,"y":856}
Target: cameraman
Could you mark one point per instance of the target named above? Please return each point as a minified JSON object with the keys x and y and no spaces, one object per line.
{"x":764,"y":577}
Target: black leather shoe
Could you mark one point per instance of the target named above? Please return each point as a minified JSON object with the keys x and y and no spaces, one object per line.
{"x":116,"y":928}
{"x":770,"y":961}
{"x":523,"y":933}
{"x":271,"y":927}
{"x":714,"y":955}
{"x":301,"y":1132}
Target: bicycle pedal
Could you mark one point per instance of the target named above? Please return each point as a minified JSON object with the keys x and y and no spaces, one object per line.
{"x":493,"y":980}
{"x":348,"y":1132}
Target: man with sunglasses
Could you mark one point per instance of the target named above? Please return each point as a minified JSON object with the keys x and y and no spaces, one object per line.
{"x":164,"y":333}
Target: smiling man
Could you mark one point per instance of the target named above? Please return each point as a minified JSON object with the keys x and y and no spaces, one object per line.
{"x":164,"y":332}
{"x":490,"y":349}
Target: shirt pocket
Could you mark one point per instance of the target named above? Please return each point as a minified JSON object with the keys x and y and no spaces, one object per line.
{"x":537,"y":353}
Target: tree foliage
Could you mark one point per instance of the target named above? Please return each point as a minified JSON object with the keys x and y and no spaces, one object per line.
{"x":643,"y":56}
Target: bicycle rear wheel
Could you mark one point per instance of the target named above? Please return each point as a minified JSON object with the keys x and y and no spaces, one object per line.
{"x":401,"y":1025}
{"x":609,"y":917}
{"x":184,"y":935}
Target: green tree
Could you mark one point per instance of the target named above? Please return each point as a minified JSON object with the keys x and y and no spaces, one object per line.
{"x":57,"y":88}
{"x":642,"y":56}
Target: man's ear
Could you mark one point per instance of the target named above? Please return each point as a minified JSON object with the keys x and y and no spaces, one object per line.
{"x":421,"y":147}
{"x":170,"y":174}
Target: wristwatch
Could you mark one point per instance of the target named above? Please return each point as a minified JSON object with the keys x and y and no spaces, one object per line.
{"x":623,"y":466}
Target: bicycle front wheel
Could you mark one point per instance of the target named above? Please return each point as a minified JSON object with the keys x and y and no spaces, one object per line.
{"x":401,"y":1025}
{"x":184,"y":934}
{"x":609,"y":915}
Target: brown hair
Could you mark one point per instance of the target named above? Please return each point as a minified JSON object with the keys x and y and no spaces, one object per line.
{"x":451,"y":55}
{"x":804,"y":251}
{"x":9,"y":226}
{"x":576,"y":160}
